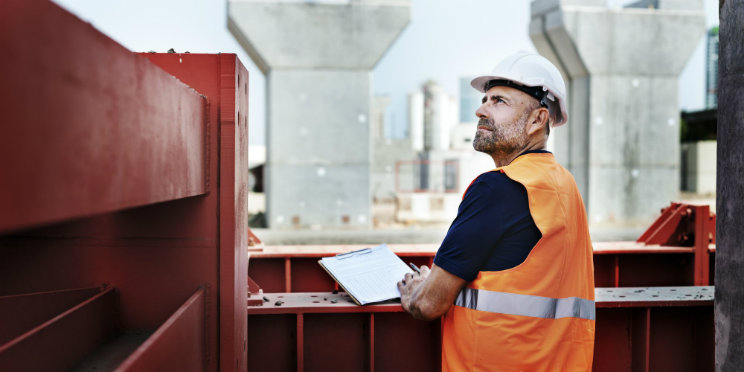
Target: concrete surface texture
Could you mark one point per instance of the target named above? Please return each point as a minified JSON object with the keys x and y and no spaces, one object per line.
{"x":621,"y":66}
{"x":729,"y":309}
{"x":318,"y":57}
{"x":699,"y":167}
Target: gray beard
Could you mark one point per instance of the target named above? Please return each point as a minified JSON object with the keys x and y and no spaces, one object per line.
{"x":501,"y":140}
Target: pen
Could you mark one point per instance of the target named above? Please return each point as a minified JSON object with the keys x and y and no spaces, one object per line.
{"x":416,"y":269}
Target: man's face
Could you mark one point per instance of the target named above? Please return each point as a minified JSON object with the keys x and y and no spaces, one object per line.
{"x":503,"y":116}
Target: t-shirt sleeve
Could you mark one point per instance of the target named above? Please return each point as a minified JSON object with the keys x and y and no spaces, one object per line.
{"x":476,"y":230}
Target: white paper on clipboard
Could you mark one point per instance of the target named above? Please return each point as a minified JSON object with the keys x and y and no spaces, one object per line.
{"x":367,"y":275}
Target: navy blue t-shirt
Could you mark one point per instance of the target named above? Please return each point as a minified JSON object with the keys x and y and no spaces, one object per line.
{"x":493,"y":229}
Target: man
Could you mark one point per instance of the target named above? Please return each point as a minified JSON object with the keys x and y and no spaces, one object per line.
{"x":514,"y":275}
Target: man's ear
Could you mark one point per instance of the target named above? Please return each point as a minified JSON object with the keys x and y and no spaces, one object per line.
{"x":538,"y":120}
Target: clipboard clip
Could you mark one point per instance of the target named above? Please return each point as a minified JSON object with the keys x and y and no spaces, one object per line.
{"x":353,"y":253}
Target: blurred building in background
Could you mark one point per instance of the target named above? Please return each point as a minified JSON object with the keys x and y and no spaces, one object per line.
{"x":711,"y":68}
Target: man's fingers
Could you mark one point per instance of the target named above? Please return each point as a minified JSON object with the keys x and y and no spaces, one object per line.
{"x":424,"y":269}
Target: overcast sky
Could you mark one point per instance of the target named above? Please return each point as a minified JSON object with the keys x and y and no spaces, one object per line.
{"x":446,"y":39}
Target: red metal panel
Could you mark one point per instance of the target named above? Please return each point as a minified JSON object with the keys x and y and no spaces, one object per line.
{"x":336,"y":342}
{"x":233,"y":213}
{"x":612,"y":346}
{"x":681,"y":339}
{"x":398,"y":331}
{"x":702,"y":239}
{"x":61,"y":342}
{"x":21,"y":313}
{"x":90,"y":127}
{"x":224,"y":80}
{"x":633,"y":325}
{"x":272,"y":343}
{"x":616,"y":264}
{"x":655,"y":269}
{"x":268,"y":273}
{"x":178,"y":345}
{"x":114,"y":123}
{"x":305,"y":276}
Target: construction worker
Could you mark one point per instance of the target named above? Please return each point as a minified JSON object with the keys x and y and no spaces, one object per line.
{"x":514,"y":275}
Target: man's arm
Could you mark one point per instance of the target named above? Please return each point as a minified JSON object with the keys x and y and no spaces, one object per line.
{"x":429,"y":295}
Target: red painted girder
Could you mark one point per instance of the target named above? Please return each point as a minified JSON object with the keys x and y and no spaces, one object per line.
{"x":224,"y":80}
{"x":63,"y":341}
{"x":178,"y":345}
{"x":324,"y":302}
{"x":429,"y":250}
{"x":88,"y":127}
{"x":317,"y":302}
{"x":21,"y":313}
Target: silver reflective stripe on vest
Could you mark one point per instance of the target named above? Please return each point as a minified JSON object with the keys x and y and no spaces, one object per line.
{"x":527,"y":305}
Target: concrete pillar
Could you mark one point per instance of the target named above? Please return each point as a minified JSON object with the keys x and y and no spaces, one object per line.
{"x":729,"y":305}
{"x":622,"y":67}
{"x":318,"y":57}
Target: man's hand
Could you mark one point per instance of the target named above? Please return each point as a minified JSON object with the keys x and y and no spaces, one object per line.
{"x":410,"y":282}
{"x":429,"y":295}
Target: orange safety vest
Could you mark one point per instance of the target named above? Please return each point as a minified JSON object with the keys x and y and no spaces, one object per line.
{"x":539,"y":315}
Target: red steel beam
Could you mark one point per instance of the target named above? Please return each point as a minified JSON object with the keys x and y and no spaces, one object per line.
{"x":634,"y":328}
{"x":89,"y":127}
{"x":703,"y":239}
{"x":224,"y":80}
{"x":21,"y":313}
{"x":178,"y":345}
{"x":63,"y":341}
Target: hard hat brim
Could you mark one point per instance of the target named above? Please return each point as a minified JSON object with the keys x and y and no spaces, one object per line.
{"x":479,"y":83}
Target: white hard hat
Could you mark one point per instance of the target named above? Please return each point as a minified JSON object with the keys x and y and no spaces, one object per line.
{"x":525,"y":70}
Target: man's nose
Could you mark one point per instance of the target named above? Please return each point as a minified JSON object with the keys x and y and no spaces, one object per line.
{"x":480,"y":113}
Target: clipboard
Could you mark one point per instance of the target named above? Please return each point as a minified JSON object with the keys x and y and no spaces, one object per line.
{"x":367,"y":275}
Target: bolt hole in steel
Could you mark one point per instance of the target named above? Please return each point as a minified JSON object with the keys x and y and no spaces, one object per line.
{"x":316,"y":302}
{"x":313,"y":296}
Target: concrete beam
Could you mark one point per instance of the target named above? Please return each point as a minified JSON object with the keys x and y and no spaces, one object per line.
{"x":345,"y":34}
{"x":318,"y":57}
{"x":621,"y":66}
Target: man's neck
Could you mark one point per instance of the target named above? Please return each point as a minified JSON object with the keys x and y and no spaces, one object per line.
{"x":502,"y":159}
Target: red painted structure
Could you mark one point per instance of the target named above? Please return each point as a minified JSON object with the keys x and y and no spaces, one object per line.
{"x":639,"y":327}
{"x":123,"y":176}
{"x":123,"y":232}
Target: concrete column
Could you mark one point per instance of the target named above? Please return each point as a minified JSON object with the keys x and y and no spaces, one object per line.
{"x":622,"y":67}
{"x":318,"y":57}
{"x":729,"y":305}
